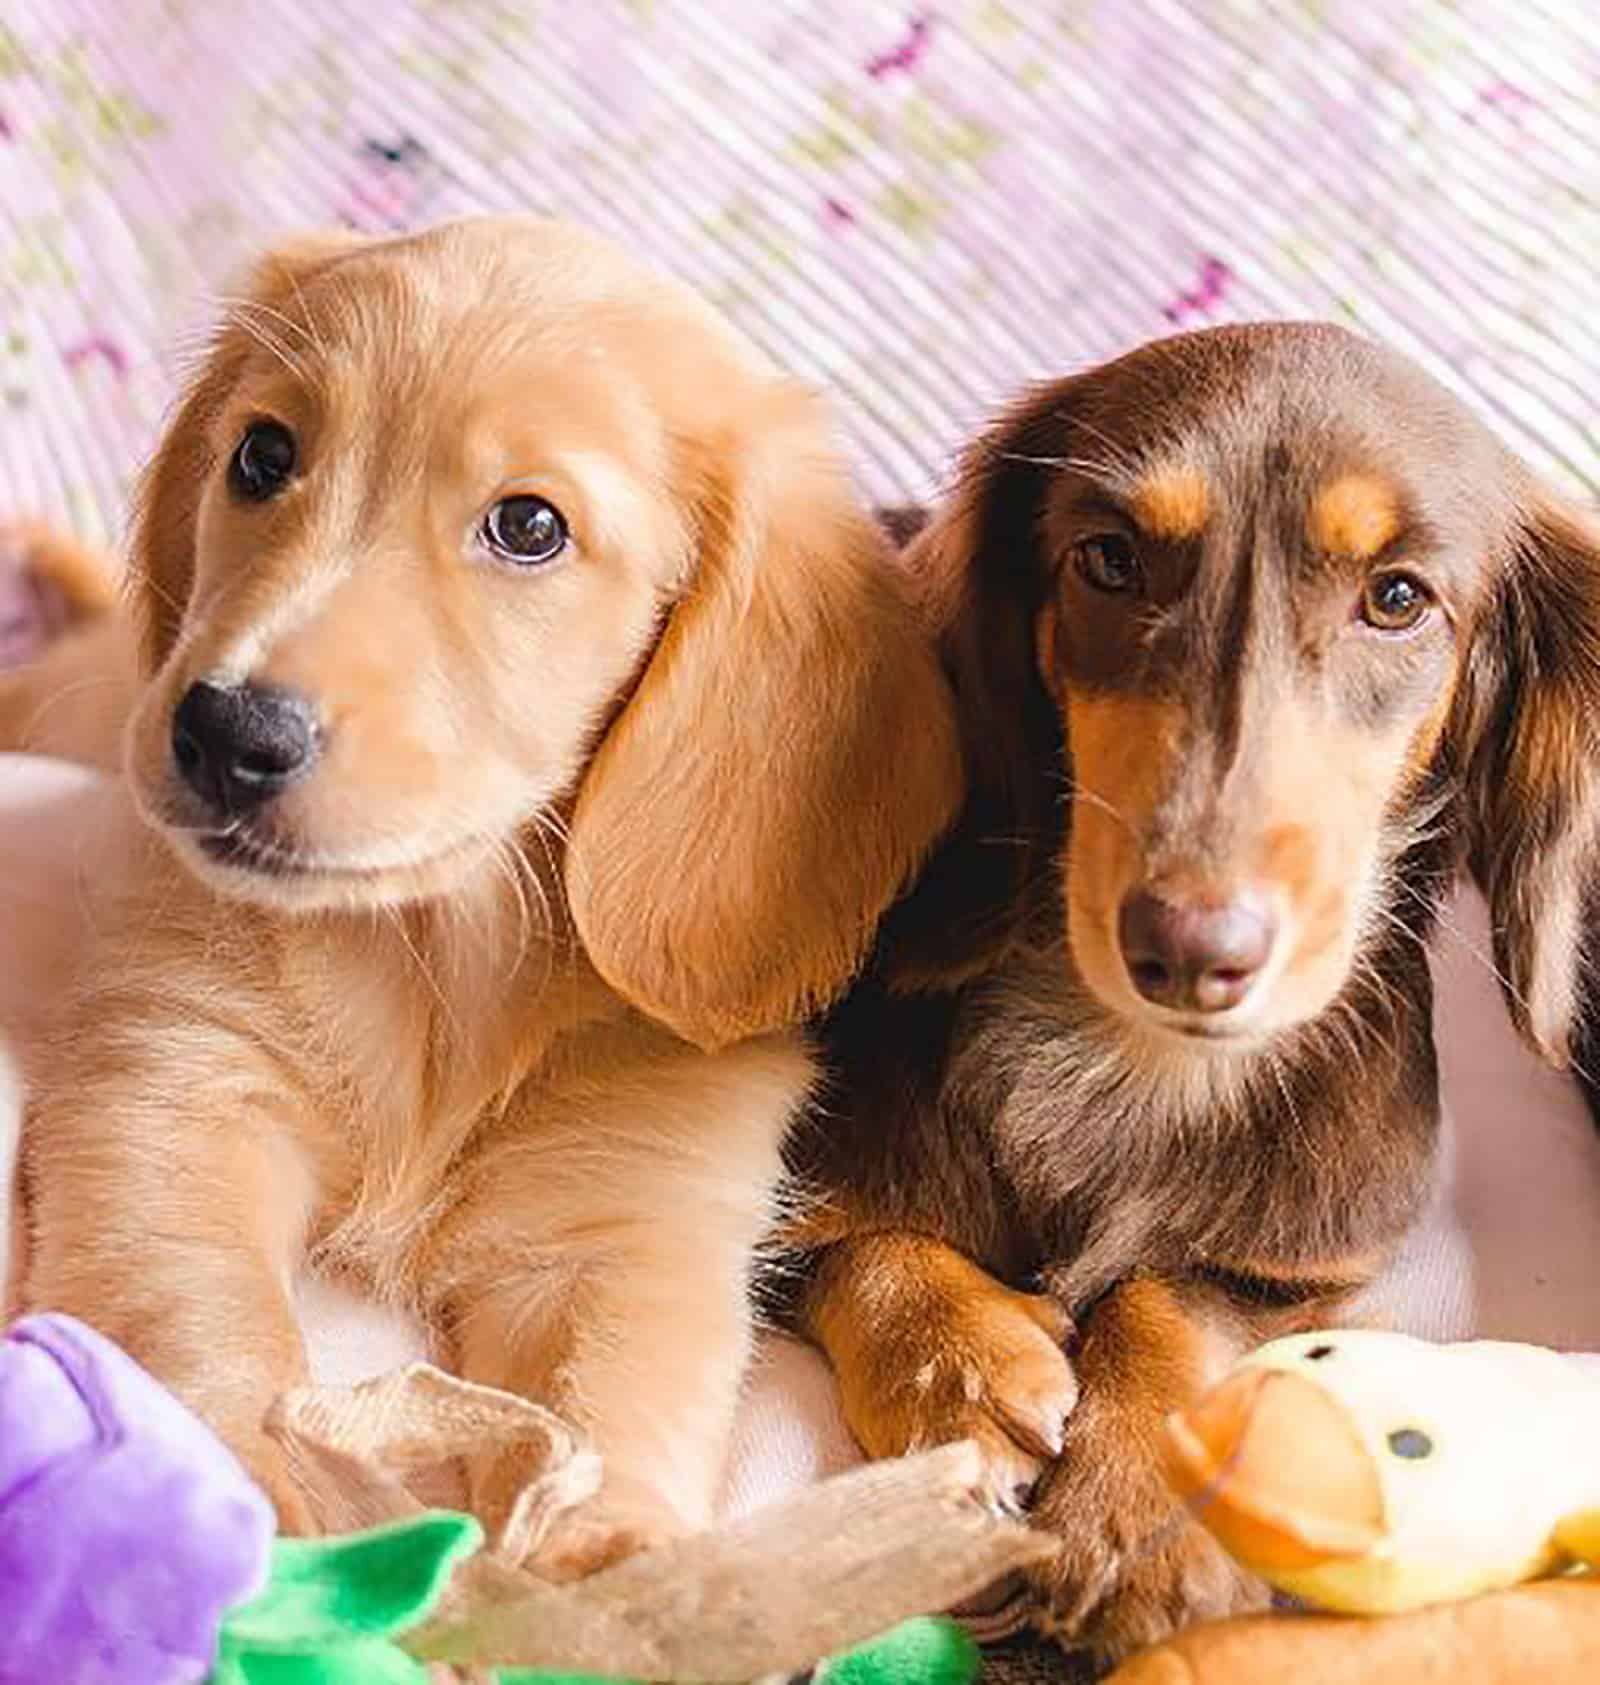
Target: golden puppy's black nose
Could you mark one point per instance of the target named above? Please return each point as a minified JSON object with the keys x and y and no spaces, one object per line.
{"x":238,"y":746}
{"x":1194,"y":955}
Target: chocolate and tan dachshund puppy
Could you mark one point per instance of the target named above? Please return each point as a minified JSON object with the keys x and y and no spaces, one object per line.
{"x":1257,"y":634}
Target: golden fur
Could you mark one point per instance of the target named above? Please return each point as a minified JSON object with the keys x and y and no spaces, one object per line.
{"x":71,"y":698}
{"x":493,"y":1008}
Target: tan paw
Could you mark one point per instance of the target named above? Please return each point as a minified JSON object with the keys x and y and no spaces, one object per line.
{"x":588,"y":1542}
{"x":615,"y":1524}
{"x":988,"y":1366}
{"x":1133,"y":1568}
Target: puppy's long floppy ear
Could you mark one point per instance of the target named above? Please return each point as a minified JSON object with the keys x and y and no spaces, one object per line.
{"x":168,"y":498}
{"x":981,"y":575}
{"x":1533,"y":778}
{"x":785,"y":762}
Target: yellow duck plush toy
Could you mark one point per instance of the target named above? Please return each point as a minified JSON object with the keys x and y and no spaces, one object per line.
{"x":1372,"y":1473}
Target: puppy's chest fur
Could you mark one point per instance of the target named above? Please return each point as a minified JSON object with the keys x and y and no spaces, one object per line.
{"x":407,"y":1046}
{"x":1118,"y":1151}
{"x":1018,"y":1120}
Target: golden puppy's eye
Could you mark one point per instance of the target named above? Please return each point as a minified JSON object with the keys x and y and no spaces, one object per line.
{"x":1395,"y":602}
{"x":1109,"y":563}
{"x":525,"y":530}
{"x":262,"y":462}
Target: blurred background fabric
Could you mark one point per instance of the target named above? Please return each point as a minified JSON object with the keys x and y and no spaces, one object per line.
{"x":922,"y":207}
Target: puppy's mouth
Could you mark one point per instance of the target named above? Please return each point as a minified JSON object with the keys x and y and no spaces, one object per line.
{"x":244,"y":851}
{"x":1234,"y":1032}
{"x":236,"y":847}
{"x":1198,"y":978}
{"x":256,"y":867}
{"x":1209,"y":1030}
{"x":1239,"y":1029}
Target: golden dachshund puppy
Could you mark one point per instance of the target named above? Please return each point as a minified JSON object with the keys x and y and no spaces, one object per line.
{"x":1256,"y":634}
{"x":532,"y":733}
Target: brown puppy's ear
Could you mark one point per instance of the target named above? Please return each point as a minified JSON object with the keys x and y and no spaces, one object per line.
{"x":168,"y":497}
{"x":786,"y":761}
{"x":1533,"y":776}
{"x":983,"y":582}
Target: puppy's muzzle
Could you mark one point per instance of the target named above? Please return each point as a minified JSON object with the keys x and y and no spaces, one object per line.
{"x":1191,"y":954}
{"x":239,"y":746}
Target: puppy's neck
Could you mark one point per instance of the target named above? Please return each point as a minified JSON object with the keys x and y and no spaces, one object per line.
{"x":470,"y":985}
{"x":1125,"y":1149}
{"x":440,"y":1011}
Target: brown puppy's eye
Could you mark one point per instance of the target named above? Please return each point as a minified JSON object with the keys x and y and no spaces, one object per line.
{"x":263,"y":462}
{"x":1395,"y":602}
{"x":525,"y":530}
{"x":1109,"y":563}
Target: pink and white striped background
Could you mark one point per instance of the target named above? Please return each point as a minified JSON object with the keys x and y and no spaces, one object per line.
{"x":921,"y":206}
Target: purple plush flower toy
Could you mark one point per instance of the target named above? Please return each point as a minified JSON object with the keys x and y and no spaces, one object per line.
{"x":126,"y":1529}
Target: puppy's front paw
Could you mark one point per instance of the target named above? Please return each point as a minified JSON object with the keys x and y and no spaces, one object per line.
{"x":622,"y":1517}
{"x":986,"y":1365}
{"x":595,"y":1539}
{"x":604,"y":1531}
{"x":1132,"y":1568}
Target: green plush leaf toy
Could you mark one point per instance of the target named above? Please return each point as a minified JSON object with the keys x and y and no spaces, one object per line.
{"x":331,"y":1606}
{"x":929,"y":1651}
{"x":333,"y":1612}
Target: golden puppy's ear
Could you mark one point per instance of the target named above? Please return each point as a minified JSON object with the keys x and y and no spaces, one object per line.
{"x":1533,"y":774}
{"x":786,"y":760}
{"x":168,"y":497}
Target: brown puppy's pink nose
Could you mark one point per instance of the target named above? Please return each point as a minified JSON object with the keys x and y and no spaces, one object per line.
{"x":1193,"y":955}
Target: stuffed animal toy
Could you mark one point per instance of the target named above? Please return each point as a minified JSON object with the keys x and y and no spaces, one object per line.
{"x":1372,"y":1473}
{"x":125,"y":1528}
{"x":135,"y":1551}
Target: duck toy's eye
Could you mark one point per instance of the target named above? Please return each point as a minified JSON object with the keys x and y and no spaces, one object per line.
{"x":1411,"y":1443}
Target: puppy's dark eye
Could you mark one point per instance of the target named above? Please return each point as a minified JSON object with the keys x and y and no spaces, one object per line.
{"x":1395,"y":602}
{"x":525,"y":530}
{"x":1109,"y":563}
{"x":263,"y":461}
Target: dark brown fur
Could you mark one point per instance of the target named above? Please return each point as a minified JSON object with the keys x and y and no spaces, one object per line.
{"x":1002,"y":1095}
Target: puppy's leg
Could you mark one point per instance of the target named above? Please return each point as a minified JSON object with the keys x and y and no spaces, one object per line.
{"x":66,"y":653}
{"x":1133,"y":1566}
{"x":599,"y":1262}
{"x":167,"y":1208}
{"x":930,"y":1348}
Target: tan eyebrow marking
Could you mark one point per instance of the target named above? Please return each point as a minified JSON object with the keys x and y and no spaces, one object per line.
{"x":1354,"y":515}
{"x":1171,"y":501}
